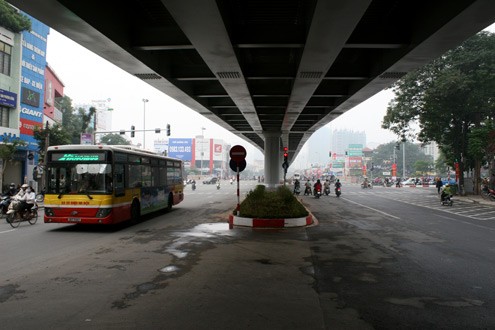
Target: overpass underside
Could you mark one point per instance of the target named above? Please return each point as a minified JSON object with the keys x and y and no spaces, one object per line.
{"x":258,"y":68}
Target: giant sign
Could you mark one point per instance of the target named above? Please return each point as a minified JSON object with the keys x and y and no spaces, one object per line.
{"x":180,"y":148}
{"x":33,"y":66}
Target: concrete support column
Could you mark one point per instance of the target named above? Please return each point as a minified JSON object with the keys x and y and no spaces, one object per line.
{"x":272,"y":159}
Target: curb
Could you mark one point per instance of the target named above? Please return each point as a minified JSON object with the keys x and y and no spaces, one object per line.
{"x":269,"y":223}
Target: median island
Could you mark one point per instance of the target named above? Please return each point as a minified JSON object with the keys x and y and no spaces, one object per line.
{"x":271,"y":208}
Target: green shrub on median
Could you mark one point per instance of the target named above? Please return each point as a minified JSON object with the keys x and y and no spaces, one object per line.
{"x":278,"y":204}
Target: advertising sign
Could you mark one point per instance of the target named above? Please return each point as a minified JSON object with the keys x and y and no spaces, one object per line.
{"x":355,"y":150}
{"x":86,"y":138}
{"x":8,"y":99}
{"x":180,"y":148}
{"x":33,"y":66}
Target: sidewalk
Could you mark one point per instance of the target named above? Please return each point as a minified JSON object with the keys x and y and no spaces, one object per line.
{"x":475,"y":199}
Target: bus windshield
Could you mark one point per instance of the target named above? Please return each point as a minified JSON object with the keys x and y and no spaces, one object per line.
{"x":80,"y":178}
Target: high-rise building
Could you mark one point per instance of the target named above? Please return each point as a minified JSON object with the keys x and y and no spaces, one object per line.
{"x":319,"y":146}
{"x":341,"y":139}
{"x":431,"y":149}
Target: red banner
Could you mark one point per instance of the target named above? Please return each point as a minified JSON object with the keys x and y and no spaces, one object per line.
{"x":27,"y":126}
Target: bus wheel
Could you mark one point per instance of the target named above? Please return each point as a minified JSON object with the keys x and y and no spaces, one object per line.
{"x":170,"y":202}
{"x":135,"y":211}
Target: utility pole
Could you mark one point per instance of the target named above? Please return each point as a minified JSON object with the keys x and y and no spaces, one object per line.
{"x":403,"y":159}
{"x":144,"y":122}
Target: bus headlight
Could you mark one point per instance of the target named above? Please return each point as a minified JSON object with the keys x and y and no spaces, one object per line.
{"x":49,"y":211}
{"x":102,"y":213}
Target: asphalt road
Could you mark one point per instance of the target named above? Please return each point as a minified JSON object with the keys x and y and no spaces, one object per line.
{"x":385,"y":258}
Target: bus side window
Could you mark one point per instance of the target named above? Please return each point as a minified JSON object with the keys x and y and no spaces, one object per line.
{"x":118,"y":180}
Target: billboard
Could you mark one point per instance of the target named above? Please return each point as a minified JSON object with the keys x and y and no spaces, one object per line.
{"x":180,"y":148}
{"x":33,"y":80}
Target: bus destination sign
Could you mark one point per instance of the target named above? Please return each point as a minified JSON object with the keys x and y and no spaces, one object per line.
{"x":78,"y":157}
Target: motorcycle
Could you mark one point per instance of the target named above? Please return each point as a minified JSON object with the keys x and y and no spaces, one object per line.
{"x":193,"y":186}
{"x":488,"y":193}
{"x":15,"y":216}
{"x":297,"y":190}
{"x":4,"y":205}
{"x":447,"y":200}
{"x":366,"y":185}
{"x":326,"y":191}
{"x":218,"y":185}
{"x":307,"y":191}
{"x":317,"y":193}
{"x":338,"y":191}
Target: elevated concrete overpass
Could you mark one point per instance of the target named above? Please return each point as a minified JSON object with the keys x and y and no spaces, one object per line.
{"x":271,"y":72}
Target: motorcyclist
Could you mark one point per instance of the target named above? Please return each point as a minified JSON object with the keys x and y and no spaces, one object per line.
{"x":30,"y":198}
{"x":297,"y":185}
{"x":446,"y":193}
{"x":338,"y":184}
{"x":12,"y":190}
{"x":21,"y":197}
{"x":326,"y":186}
{"x":365,"y":182}
{"x":307,"y":189}
{"x":317,"y":186}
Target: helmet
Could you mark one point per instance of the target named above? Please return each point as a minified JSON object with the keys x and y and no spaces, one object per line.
{"x":338,"y":180}
{"x":12,"y":185}
{"x":24,"y":185}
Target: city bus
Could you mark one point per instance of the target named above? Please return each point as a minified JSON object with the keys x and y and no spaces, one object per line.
{"x":100,"y":184}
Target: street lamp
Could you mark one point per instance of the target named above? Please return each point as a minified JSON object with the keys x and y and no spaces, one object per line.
{"x":202,"y":144}
{"x":144,"y":123}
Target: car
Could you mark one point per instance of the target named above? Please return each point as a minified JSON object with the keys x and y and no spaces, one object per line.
{"x":411,"y":182}
{"x":211,"y":180}
{"x":450,"y":181}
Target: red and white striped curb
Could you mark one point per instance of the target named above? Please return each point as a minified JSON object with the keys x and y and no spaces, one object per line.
{"x":269,"y":223}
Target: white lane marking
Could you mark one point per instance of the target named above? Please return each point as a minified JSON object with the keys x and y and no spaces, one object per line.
{"x":466,"y":222}
{"x":6,"y":231}
{"x":387,"y":214}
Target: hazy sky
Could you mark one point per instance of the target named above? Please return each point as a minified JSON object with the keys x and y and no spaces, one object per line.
{"x":87,"y":77}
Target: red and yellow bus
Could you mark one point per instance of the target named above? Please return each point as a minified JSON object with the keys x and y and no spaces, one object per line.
{"x":99,"y":184}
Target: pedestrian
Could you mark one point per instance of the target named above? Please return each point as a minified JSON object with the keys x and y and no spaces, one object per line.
{"x":439,"y":184}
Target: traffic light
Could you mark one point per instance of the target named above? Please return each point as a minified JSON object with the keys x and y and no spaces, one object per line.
{"x":133,"y":128}
{"x":286,"y":154}
{"x":168,"y":129}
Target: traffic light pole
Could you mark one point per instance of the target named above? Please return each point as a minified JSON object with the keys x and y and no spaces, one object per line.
{"x":122,"y":131}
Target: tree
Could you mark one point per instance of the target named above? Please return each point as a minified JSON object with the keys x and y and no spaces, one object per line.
{"x":114,"y":139}
{"x":383,"y":157}
{"x":422,"y":167}
{"x":447,"y":99}
{"x":8,"y":149}
{"x":51,"y":136}
{"x":12,"y":20}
